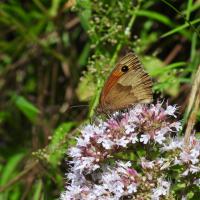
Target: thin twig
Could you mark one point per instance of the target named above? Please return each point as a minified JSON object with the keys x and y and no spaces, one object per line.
{"x":175,"y":51}
{"x":72,"y":23}
{"x":193,"y":107}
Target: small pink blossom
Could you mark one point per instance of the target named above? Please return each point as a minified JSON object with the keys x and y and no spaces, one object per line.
{"x":172,"y":144}
{"x":159,"y":138}
{"x":161,"y":190}
{"x":147,"y":164}
{"x":192,"y":169}
{"x":170,"y":110}
{"x":130,"y":128}
{"x":190,"y":154}
{"x":145,"y":138}
{"x":176,"y":125}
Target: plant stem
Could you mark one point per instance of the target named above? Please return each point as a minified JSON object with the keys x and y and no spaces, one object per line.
{"x":193,"y":107}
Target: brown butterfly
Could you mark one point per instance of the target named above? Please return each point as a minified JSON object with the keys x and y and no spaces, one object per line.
{"x":127,"y":84}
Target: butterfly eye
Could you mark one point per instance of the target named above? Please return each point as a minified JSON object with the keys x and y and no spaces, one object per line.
{"x":124,"y":68}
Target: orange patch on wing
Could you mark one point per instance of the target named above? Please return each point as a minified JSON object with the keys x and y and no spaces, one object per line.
{"x":111,"y":81}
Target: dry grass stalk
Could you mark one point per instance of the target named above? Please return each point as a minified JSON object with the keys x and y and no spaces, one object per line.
{"x":193,"y":106}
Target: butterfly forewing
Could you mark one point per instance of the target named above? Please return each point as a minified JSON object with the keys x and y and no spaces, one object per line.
{"x":128,"y":84}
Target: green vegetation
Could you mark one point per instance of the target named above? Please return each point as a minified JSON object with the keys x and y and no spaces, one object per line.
{"x":56,"y":54}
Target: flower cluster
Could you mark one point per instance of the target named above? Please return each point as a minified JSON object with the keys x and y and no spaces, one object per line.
{"x":111,"y":183}
{"x":187,"y":156}
{"x":145,"y":138}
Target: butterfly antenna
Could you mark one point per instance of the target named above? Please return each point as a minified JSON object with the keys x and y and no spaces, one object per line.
{"x":77,"y":106}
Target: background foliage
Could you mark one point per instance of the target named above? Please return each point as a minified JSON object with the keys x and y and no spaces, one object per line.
{"x":56,"y":54}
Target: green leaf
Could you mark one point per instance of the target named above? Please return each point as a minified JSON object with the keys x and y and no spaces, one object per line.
{"x":84,"y":55}
{"x":4,"y":115}
{"x":57,"y":147}
{"x":15,"y":194}
{"x":156,"y":16}
{"x":10,"y":167}
{"x":53,"y":11}
{"x":85,"y":13}
{"x":26,"y":107}
{"x":165,"y":75}
{"x":161,"y":70}
{"x":86,"y":88}
{"x":38,"y":190}
{"x":179,"y":186}
{"x":189,"y":9}
{"x":180,"y":28}
{"x":152,"y":64}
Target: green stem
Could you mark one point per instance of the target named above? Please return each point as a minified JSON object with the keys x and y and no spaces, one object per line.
{"x":127,"y":31}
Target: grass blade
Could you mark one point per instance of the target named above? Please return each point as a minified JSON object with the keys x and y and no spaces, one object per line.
{"x":178,"y":29}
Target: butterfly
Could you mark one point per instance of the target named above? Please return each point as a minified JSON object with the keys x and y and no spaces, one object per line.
{"x":128,"y":84}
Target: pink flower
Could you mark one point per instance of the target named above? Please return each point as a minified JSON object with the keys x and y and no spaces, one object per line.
{"x":170,"y":110}
{"x":147,"y":164}
{"x":145,"y":138}
{"x":97,"y":174}
{"x":162,"y":189}
{"x":173,"y":144}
